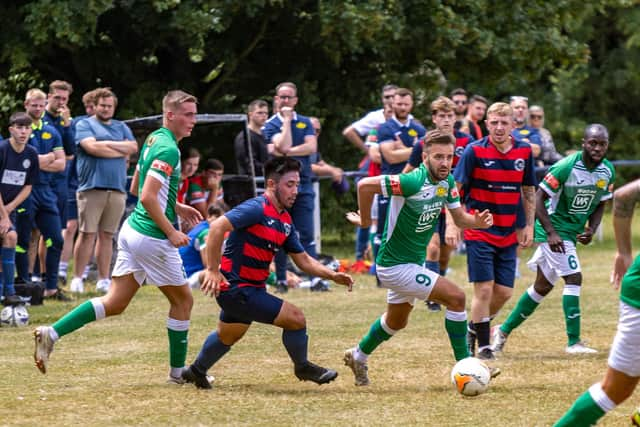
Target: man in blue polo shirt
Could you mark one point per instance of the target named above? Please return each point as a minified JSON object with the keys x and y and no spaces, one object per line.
{"x":290,"y":134}
{"x":396,"y":138}
{"x":522,"y":130}
{"x":41,"y":208}
{"x":103,"y":146}
{"x":18,"y":169}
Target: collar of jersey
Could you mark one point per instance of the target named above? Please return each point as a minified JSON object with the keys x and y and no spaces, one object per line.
{"x":37,"y":126}
{"x":409,"y":120}
{"x":294,"y":117}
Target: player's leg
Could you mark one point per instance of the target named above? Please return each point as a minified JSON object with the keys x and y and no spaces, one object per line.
{"x":620,"y":379}
{"x":25,"y":214}
{"x":525,"y":307}
{"x":480,"y":264}
{"x":432,"y":261}
{"x":48,"y":222}
{"x":8,"y":254}
{"x":119,"y":296}
{"x":107,"y":227}
{"x":452,"y":297}
{"x":181,"y":301}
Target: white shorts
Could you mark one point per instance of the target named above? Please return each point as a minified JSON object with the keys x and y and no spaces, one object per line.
{"x":624,"y":355}
{"x":148,"y":258}
{"x":406,"y":282}
{"x":554,"y":264}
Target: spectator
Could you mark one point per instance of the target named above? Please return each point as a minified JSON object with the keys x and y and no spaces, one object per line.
{"x":522,"y":131}
{"x":41,"y":207}
{"x":472,"y":123}
{"x":396,"y":137}
{"x":460,"y":98}
{"x":194,"y":258}
{"x":549,"y":154}
{"x":358,"y":131}
{"x":19,"y":169}
{"x":321,"y":168}
{"x":257,"y":114}
{"x":103,"y":146}
{"x":212,"y":182}
{"x":290,"y":134}
{"x":191,"y":191}
{"x":69,"y":232}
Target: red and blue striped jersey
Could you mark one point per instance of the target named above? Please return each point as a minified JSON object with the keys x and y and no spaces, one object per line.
{"x":493,"y":180}
{"x":259,"y":231}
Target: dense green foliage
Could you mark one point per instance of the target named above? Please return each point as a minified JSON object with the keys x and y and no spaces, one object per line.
{"x":579,"y":59}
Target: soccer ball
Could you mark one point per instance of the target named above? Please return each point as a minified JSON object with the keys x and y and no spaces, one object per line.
{"x":470,"y":376}
{"x":14,"y":316}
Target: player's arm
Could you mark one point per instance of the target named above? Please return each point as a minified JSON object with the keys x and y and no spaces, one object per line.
{"x":553,"y":239}
{"x":135,"y":181}
{"x":149,"y":199}
{"x":212,"y":277}
{"x":395,"y":155}
{"x":354,"y":137}
{"x":20,"y":197}
{"x":594,"y":222}
{"x":463,"y":219}
{"x":367,"y":188}
{"x":314,"y":268}
{"x":624,"y":201}
{"x":529,"y":204}
{"x":108,"y":149}
{"x":323,"y":168}
{"x":374,"y":153}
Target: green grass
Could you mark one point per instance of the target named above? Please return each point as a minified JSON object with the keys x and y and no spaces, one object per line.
{"x":113,"y":372}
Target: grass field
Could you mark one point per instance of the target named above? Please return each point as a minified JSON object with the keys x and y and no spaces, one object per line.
{"x":113,"y":372}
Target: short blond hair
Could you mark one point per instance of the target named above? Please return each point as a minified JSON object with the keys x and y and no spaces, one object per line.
{"x":89,"y":97}
{"x":34,"y":94}
{"x":60,"y":85}
{"x":500,"y":109}
{"x":174,"y":98}
{"x":442,"y":103}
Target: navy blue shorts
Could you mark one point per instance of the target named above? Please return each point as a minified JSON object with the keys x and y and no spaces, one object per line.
{"x":486,"y":262}
{"x":248,"y":304}
{"x":72,"y":208}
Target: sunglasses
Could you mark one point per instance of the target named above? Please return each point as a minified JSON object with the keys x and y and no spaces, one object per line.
{"x":536,"y":116}
{"x":460,"y":102}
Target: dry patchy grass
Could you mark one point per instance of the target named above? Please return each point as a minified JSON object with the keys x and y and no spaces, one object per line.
{"x":113,"y":372}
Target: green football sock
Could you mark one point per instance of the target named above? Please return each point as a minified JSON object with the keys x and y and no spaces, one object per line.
{"x":457,"y":331}
{"x":524,"y":308}
{"x":178,"y":331}
{"x":584,"y":412}
{"x":376,"y":336}
{"x":75,"y":319}
{"x":571,"y":308}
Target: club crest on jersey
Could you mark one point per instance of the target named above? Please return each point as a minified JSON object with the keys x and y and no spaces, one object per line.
{"x":524,"y":132}
{"x":151,"y":140}
{"x":394,"y":183}
{"x":519,"y":165}
{"x":26,"y":163}
{"x":412,"y":133}
{"x":46,"y":135}
{"x":301,"y":125}
{"x":441,"y":191}
{"x":601,"y":183}
{"x":459,"y":151}
{"x":552,"y":181}
{"x":164,"y":167}
{"x":287,"y":229}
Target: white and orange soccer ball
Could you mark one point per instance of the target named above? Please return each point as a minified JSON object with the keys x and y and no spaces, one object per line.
{"x":471,"y":376}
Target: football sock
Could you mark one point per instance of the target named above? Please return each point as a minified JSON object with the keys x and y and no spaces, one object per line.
{"x":526,"y":305}
{"x":86,"y":312}
{"x":432,"y":266}
{"x":8,"y":269}
{"x":378,"y":333}
{"x":483,"y":332}
{"x":571,"y":308}
{"x":455,"y":322}
{"x":587,"y":409}
{"x":178,"y":331}
{"x":62,"y":269}
{"x":296,"y":344}
{"x":212,"y":350}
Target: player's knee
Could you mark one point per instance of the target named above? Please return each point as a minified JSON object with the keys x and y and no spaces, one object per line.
{"x":433,"y":252}
{"x":457,"y":301}
{"x":574,"y":279}
{"x":483,"y":292}
{"x":542,"y":287}
{"x":297,"y":320}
